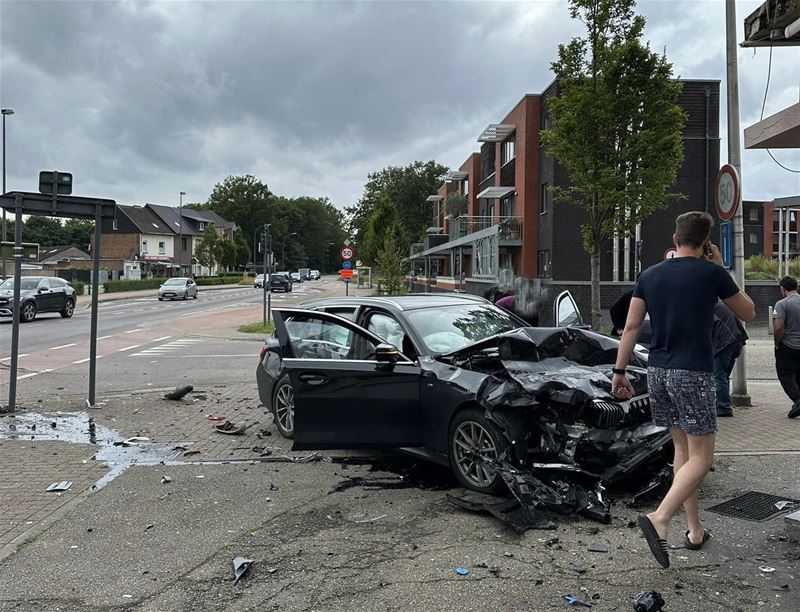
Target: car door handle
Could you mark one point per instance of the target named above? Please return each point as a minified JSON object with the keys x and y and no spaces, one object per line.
{"x":314,"y":379}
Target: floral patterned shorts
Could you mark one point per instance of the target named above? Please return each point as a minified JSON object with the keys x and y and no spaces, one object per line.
{"x":683,"y":398}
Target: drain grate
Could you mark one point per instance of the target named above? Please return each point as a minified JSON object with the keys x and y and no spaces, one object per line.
{"x":755,"y":506}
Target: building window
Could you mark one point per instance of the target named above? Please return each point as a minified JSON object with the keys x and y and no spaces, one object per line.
{"x":544,"y":265}
{"x":184,"y":242}
{"x":508,"y":151}
{"x":465,"y":187}
{"x":161,"y":248}
{"x":485,"y":256}
{"x":754,"y":214}
{"x":753,"y":238}
{"x":543,"y":198}
{"x":201,"y":226}
{"x":507,"y":206}
{"x":144,"y":246}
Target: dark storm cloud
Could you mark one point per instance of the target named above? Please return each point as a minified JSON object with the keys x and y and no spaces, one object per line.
{"x":142,"y":100}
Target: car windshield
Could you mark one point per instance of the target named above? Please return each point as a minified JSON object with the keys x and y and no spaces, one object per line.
{"x":176,"y":281}
{"x":26,"y":284}
{"x":449,"y":328}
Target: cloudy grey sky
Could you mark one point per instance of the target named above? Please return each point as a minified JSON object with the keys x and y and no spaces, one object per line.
{"x":141,"y":100}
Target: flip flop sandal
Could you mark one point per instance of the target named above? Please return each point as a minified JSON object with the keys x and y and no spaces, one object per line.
{"x":690,"y":546}
{"x":658,"y":546}
{"x":229,"y":428}
{"x":223,"y":427}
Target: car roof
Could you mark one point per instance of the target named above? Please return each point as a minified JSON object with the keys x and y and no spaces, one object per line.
{"x":401,"y":302}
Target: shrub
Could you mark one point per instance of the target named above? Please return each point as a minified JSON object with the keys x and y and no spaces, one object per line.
{"x":205,"y":281}
{"x":118,"y":286}
{"x":758,"y":267}
{"x":79,"y":287}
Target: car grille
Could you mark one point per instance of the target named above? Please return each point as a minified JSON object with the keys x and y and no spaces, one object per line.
{"x":610,"y":415}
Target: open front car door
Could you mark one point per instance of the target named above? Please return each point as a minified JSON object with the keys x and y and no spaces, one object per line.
{"x":351,"y":389}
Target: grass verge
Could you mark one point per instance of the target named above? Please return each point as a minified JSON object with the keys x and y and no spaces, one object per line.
{"x":257,"y":328}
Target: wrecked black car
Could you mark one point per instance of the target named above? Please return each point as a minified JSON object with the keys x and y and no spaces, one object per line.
{"x":456,"y":380}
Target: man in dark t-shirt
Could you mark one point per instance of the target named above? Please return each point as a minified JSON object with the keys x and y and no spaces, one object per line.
{"x":679,"y":294}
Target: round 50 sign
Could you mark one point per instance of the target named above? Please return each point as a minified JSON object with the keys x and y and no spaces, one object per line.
{"x":726,"y":192}
{"x":347,"y":253}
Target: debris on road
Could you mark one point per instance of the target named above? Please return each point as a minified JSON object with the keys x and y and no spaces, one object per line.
{"x":601,"y":548}
{"x":179,"y":393}
{"x":462,"y":571}
{"x":215,"y":417}
{"x":780,"y":587}
{"x":509,"y":511}
{"x":57,"y":487}
{"x":229,"y":428}
{"x":648,"y":601}
{"x":264,"y":451}
{"x":766,"y":569}
{"x":132,"y":441}
{"x":371,"y":520}
{"x":166,"y":479}
{"x":189,"y":453}
{"x":574,"y":601}
{"x":241,"y":565}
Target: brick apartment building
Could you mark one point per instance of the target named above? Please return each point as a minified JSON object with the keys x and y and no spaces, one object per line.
{"x":512,"y":227}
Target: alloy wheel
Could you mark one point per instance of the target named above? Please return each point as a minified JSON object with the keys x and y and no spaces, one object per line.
{"x":284,"y":408}
{"x":28,"y":312}
{"x":475,"y":451}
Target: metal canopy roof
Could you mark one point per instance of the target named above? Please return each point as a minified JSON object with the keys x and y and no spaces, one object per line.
{"x":495,"y":193}
{"x":496,"y":132}
{"x":434,"y":198}
{"x":455,"y":175}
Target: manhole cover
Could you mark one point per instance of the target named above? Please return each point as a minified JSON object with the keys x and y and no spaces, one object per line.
{"x":755,"y":506}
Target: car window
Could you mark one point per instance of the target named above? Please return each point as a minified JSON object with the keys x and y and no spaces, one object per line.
{"x":320,"y":339}
{"x":348,"y":313}
{"x":26,"y":284}
{"x":448,"y":328}
{"x":567,"y":312}
{"x":53,"y":284}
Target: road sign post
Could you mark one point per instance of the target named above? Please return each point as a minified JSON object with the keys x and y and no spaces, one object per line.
{"x":726,"y":243}
{"x":347,"y":254}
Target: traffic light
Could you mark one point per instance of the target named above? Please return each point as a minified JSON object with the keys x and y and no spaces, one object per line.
{"x":53,"y":181}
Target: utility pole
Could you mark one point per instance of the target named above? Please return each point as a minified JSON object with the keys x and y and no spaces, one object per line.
{"x":739,"y":395}
{"x":180,"y":226}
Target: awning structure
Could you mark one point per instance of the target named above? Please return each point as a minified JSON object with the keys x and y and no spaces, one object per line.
{"x":434,"y":198}
{"x":495,"y":193}
{"x":455,"y":175}
{"x":778,"y":131}
{"x":496,"y":132}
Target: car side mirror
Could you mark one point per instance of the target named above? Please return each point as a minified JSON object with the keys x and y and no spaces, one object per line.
{"x":387,"y":353}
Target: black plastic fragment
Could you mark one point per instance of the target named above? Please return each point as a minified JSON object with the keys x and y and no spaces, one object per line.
{"x":648,"y":601}
{"x":241,"y":565}
{"x":509,"y":511}
{"x":179,"y":393}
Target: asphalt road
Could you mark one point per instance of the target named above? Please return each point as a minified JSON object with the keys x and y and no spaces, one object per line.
{"x":144,"y":343}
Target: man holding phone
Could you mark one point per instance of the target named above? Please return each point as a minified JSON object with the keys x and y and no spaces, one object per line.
{"x":680,"y":294}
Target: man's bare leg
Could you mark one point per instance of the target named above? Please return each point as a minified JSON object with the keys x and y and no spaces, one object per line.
{"x":684,"y":487}
{"x":690,"y":507}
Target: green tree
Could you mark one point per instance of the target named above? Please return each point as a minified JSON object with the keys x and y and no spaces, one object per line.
{"x":383,"y":218}
{"x":241,"y":249}
{"x":456,"y":204}
{"x":245,"y":200}
{"x":78,"y":232}
{"x":616,"y":126}
{"x":407,"y":188}
{"x":206,"y":248}
{"x":46,"y":231}
{"x":225,"y":253}
{"x":389,"y":260}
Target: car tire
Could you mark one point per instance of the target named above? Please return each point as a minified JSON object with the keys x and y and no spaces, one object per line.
{"x":28,"y":313}
{"x":68,"y":310}
{"x":160,"y":299}
{"x":283,"y":407}
{"x":195,"y":295}
{"x":185,"y":296}
{"x":471,"y":437}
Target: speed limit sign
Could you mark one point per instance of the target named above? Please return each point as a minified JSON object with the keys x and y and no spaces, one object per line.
{"x":726,"y":192}
{"x":347,"y":253}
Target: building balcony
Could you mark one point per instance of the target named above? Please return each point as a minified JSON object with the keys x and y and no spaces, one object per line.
{"x":509,"y":228}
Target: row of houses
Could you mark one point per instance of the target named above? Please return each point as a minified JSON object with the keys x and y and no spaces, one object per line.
{"x":511,"y":227}
{"x":157,"y":241}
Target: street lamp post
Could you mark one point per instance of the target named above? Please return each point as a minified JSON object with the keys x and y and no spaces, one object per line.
{"x":5,"y":111}
{"x":267,"y":293}
{"x":180,"y":230}
{"x":283,"y":249}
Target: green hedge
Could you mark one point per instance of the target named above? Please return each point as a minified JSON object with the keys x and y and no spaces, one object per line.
{"x":217,"y":280}
{"x":132,"y":285}
{"x":79,"y":287}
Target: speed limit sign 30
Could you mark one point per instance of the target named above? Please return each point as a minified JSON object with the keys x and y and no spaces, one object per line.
{"x":726,"y":192}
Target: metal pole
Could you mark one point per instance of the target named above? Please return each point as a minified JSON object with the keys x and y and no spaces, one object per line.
{"x":95,"y":291}
{"x":739,"y":395}
{"x":264,"y":288}
{"x":4,"y":187}
{"x":780,"y":243}
{"x":267,"y":273}
{"x":12,"y":381}
{"x":180,"y":226}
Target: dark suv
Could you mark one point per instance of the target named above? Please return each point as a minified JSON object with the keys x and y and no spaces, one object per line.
{"x":37,"y":294}
{"x":279,"y":282}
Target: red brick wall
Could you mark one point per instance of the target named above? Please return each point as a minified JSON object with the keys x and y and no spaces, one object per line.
{"x":118,"y":246}
{"x":472,"y":168}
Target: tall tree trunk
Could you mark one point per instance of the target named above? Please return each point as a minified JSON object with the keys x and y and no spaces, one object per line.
{"x":595,"y":262}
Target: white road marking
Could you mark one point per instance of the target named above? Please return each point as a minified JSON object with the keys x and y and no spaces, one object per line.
{"x":20,"y":355}
{"x":27,"y":375}
{"x":128,"y":348}
{"x":131,"y":331}
{"x":105,"y":337}
{"x":146,"y":354}
{"x":55,"y":348}
{"x":161,"y":338}
{"x":82,"y":360}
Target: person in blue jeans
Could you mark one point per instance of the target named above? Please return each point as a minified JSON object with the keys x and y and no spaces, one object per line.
{"x":727,"y":337}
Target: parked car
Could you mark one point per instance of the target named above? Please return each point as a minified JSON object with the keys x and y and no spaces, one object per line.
{"x":296,"y":278}
{"x":177,"y":288}
{"x":280,"y":282}
{"x":258,"y":281}
{"x":305,"y":273}
{"x":38,"y":294}
{"x":456,"y":380}
{"x":315,"y":275}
